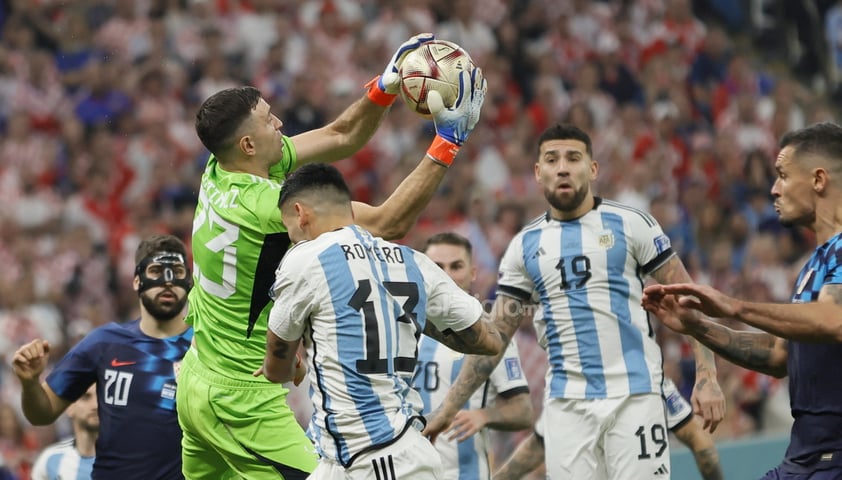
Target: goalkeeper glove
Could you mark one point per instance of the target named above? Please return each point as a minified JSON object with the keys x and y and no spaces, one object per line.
{"x":454,"y":125}
{"x":383,"y":88}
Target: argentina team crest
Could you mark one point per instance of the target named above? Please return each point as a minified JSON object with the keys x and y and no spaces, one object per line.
{"x":606,"y":239}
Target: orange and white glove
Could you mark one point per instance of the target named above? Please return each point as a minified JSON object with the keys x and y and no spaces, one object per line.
{"x":454,"y":124}
{"x":383,"y":89}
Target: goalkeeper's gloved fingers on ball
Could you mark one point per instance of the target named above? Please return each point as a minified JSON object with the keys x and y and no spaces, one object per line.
{"x":389,"y":84}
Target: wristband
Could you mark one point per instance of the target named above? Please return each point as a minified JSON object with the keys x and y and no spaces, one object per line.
{"x":442,"y":151}
{"x":379,"y":96}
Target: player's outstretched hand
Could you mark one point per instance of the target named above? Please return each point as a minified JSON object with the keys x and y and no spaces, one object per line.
{"x":466,"y":423}
{"x":454,"y":124}
{"x":30,"y":360}
{"x":703,"y":298}
{"x":390,"y":81}
{"x":437,"y":422}
{"x":668,"y":310}
{"x":708,"y":401}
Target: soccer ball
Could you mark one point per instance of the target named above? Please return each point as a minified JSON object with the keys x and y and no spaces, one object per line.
{"x":435,"y":66}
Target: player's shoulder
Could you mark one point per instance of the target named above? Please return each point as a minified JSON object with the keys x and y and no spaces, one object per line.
{"x":834,"y":244}
{"x":537,"y":223}
{"x":627,"y":212}
{"x":60,"y":447}
{"x":113,"y":330}
{"x":306,"y":253}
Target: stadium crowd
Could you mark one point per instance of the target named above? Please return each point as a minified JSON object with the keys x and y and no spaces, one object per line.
{"x":684,"y":101}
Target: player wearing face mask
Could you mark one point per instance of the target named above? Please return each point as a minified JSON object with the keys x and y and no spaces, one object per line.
{"x":133,"y":366}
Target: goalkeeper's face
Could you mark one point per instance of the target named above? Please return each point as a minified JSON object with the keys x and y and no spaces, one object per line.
{"x":265,"y":133}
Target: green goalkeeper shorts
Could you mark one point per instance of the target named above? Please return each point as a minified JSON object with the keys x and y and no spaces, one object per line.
{"x":238,"y":429}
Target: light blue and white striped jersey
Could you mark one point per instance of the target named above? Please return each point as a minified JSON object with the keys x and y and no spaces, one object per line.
{"x":61,"y":461}
{"x":587,"y":277}
{"x":437,"y":369}
{"x":361,"y":303}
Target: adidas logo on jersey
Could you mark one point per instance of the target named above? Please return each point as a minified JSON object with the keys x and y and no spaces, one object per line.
{"x":662,"y":470}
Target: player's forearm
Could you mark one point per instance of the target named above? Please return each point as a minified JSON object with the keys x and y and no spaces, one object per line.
{"x":36,"y":404}
{"x":752,"y":350}
{"x":399,"y":212}
{"x":475,"y":371}
{"x":527,"y":457}
{"x":355,"y":126}
{"x":707,"y":461}
{"x":819,"y":322}
{"x":705,"y":360}
{"x":510,"y":414}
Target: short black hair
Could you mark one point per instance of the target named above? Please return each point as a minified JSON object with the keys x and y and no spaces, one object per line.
{"x":159,"y":244}
{"x":449,"y":238}
{"x":565,"y":131}
{"x":824,"y":139}
{"x":313,"y":177}
{"x":221,"y":115}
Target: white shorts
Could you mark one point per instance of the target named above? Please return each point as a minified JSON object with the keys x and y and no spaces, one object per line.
{"x":411,"y":457}
{"x":679,"y":410}
{"x":612,"y":438}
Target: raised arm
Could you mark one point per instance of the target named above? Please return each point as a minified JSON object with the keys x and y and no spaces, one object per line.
{"x":41,"y":405}
{"x":507,"y":313}
{"x":355,"y":126}
{"x":708,"y":399}
{"x":398,"y":213}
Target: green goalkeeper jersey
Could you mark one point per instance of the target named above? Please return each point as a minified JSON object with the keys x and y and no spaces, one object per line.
{"x":238,"y":242}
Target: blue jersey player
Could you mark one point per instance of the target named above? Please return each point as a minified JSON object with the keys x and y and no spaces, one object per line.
{"x":134,"y":367}
{"x":802,"y":339}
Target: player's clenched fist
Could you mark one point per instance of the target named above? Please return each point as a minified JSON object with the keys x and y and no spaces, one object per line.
{"x":30,"y":360}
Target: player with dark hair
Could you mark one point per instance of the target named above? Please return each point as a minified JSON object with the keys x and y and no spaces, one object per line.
{"x":235,"y":423}
{"x":501,"y":404}
{"x":133,"y":365}
{"x":359,"y":303}
{"x":585,"y":262}
{"x":802,"y":339}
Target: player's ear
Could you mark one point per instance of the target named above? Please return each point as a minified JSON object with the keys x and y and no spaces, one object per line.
{"x":303,"y":214}
{"x":136,"y":283}
{"x":246,"y":144}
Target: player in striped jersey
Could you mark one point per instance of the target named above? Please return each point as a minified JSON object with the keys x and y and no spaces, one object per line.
{"x":238,"y":241}
{"x":359,"y":303}
{"x":802,"y":339}
{"x":133,"y":366}
{"x":72,"y":459}
{"x":502,"y":403}
{"x":680,"y":421}
{"x":584,"y":263}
